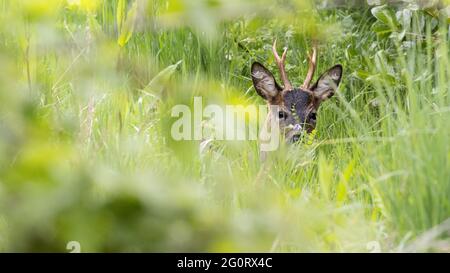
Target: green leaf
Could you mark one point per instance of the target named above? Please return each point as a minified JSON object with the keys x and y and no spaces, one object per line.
{"x":157,"y":84}
{"x":120,"y":16}
{"x":325,"y":176}
{"x":381,"y":29}
{"x":386,"y":16}
{"x":362,"y":74}
{"x":127,"y":28}
{"x":398,"y":35}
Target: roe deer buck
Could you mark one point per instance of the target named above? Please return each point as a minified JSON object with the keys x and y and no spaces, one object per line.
{"x":296,"y":108}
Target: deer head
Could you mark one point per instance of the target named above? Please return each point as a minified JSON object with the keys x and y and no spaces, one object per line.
{"x":297,"y":107}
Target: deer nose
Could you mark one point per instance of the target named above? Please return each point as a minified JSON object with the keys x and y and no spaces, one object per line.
{"x":297,"y":127}
{"x":295,"y":138}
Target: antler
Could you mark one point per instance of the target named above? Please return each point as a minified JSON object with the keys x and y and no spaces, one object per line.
{"x":280,"y":63}
{"x":312,"y":67}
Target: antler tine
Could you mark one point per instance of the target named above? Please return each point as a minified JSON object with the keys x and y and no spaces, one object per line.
{"x":280,"y":63}
{"x":312,"y":67}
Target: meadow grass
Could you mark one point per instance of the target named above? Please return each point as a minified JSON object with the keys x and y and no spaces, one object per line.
{"x":87,"y":155}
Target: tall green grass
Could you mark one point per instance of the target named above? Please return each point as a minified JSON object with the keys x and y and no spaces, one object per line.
{"x":87,"y":156}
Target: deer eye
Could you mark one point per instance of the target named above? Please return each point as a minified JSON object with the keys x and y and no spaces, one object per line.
{"x":282,"y":115}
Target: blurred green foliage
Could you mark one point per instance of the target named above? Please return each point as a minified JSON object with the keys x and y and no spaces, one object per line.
{"x":86,"y":155}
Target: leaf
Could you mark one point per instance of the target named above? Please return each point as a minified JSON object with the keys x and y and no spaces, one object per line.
{"x":121,"y":6}
{"x":325,"y":176}
{"x":341,"y":192}
{"x":343,"y":187}
{"x":381,"y":29}
{"x":387,"y":79}
{"x":156,"y":85}
{"x":128,"y":26}
{"x":398,"y":35}
{"x":361,"y":74}
{"x":386,"y":16}
{"x":382,"y":63}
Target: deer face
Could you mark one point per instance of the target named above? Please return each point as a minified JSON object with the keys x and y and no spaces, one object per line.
{"x":297,"y":107}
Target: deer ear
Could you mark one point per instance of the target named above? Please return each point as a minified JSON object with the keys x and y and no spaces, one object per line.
{"x":264,"y":82}
{"x":328,"y":82}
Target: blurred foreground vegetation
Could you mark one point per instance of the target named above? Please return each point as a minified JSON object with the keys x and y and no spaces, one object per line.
{"x":86,"y":154}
